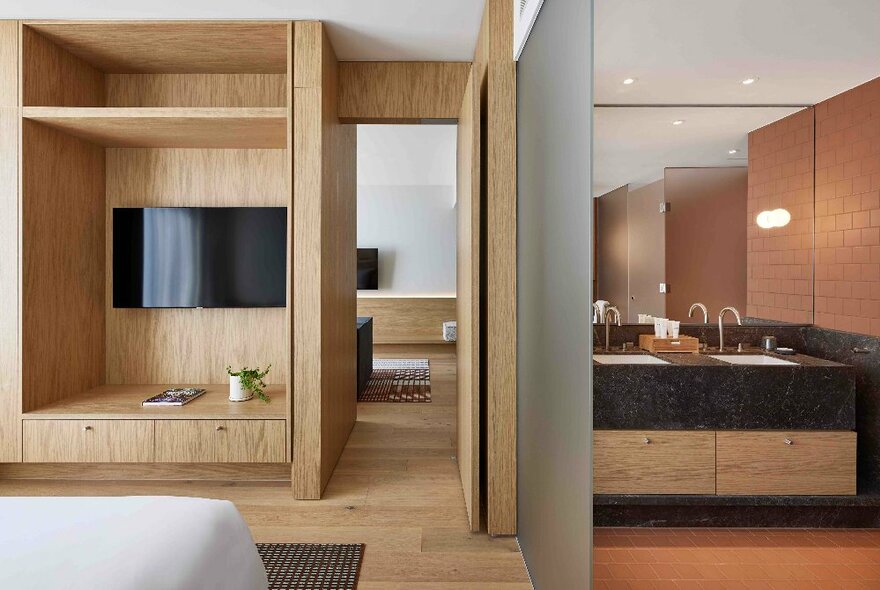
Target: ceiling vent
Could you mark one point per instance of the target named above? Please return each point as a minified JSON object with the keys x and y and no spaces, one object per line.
{"x":526,"y":12}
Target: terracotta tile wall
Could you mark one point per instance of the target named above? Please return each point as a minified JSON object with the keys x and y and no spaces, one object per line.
{"x":848,"y":211}
{"x":780,"y":260}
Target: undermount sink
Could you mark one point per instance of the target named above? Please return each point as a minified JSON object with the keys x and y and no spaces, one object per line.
{"x":750,"y":359}
{"x":628,"y":359}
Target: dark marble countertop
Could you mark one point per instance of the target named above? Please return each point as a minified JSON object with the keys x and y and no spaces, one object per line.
{"x":704,"y":358}
{"x":697,"y":392}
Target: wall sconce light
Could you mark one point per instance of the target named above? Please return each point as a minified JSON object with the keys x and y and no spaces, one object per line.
{"x":775,"y":218}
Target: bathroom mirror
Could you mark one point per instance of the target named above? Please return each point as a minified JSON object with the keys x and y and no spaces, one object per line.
{"x":704,"y":204}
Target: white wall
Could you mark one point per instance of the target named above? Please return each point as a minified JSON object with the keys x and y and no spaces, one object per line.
{"x":406,"y":207}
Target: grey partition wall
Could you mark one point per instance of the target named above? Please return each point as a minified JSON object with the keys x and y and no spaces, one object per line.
{"x":554,"y":280}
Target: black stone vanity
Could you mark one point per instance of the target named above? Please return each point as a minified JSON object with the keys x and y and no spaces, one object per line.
{"x":698,"y":392}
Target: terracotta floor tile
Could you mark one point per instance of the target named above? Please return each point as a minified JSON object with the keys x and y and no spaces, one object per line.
{"x":619,"y":571}
{"x":737,"y":559}
{"x":642,"y":571}
{"x":664,"y":571}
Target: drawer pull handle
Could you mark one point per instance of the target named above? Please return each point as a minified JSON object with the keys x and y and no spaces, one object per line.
{"x":647,"y":440}
{"x":86,"y":428}
{"x":219,"y":428}
{"x":788,"y":441}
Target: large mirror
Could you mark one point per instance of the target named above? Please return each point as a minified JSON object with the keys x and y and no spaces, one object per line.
{"x":678,"y":192}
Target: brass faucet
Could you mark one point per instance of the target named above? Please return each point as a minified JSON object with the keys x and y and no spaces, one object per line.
{"x":610,"y":311}
{"x":705,"y":312}
{"x":721,"y":325}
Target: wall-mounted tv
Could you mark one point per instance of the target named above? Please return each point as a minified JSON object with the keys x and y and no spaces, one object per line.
{"x":200,"y":257}
{"x":368,"y":269}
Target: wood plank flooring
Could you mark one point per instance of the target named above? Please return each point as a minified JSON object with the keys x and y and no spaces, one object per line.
{"x":396,"y":489}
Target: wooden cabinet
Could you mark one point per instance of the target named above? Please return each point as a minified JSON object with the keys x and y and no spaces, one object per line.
{"x":88,"y":441}
{"x":220,"y":441}
{"x":653,"y":462}
{"x":786,"y":463}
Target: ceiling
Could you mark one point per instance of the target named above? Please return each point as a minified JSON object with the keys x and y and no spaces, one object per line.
{"x":633,"y":145}
{"x":696,"y":53}
{"x":407,"y":30}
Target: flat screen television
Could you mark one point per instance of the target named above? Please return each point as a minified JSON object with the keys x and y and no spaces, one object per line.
{"x":368,"y":269}
{"x":200,"y":257}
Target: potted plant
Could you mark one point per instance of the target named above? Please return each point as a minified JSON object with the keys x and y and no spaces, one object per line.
{"x":246,"y":383}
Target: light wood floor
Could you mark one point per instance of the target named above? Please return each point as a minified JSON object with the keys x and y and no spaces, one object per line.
{"x":396,"y":489}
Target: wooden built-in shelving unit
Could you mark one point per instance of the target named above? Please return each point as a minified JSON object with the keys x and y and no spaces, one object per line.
{"x":145,"y":114}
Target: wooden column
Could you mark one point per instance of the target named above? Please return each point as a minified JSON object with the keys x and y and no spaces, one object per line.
{"x":324,"y":295}
{"x":468,"y":299}
{"x":496,"y":72}
{"x":10,"y":377}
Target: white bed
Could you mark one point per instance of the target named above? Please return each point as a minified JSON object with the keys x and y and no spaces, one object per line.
{"x":132,"y":543}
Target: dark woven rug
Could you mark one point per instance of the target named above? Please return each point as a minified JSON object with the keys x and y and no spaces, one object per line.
{"x":398,"y":381}
{"x":311,"y":566}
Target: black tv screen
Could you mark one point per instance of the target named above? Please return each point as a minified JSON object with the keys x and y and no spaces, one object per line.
{"x":368,"y":269}
{"x":200,"y":257}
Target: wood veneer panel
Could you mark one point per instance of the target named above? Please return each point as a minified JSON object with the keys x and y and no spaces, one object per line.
{"x":63,"y":265}
{"x":288,"y":316}
{"x":407,"y":320}
{"x":468,"y":299}
{"x":761,"y":463}
{"x":339,"y":267}
{"x":496,"y":73}
{"x":173,"y":46}
{"x":188,"y":345}
{"x":220,"y":441}
{"x":307,"y":382}
{"x":88,"y":441}
{"x":10,"y":378}
{"x":501,"y":297}
{"x":51,"y":76}
{"x":672,"y":462}
{"x":169,"y":127}
{"x":196,"y":90}
{"x":250,"y":441}
{"x":398,"y":91}
{"x":324,"y":308}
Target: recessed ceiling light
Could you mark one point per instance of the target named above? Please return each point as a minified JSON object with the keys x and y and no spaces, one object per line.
{"x":731,"y":152}
{"x":629,"y":81}
{"x":750,"y":80}
{"x":678,"y":122}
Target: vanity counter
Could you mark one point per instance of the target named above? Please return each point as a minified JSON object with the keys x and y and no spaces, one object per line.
{"x":698,"y":392}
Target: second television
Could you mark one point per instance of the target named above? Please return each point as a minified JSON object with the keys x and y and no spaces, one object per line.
{"x":368,"y":269}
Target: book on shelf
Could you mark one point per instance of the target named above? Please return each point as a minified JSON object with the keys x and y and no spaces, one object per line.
{"x":174,"y":397}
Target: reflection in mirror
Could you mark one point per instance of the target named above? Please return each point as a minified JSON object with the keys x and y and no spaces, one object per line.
{"x":710,"y":205}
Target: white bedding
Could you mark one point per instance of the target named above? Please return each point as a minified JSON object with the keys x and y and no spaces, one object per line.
{"x":133,"y":543}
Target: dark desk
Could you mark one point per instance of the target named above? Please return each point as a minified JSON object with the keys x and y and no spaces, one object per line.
{"x":364,"y":351}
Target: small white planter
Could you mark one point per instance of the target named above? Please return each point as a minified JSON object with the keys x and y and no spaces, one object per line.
{"x":237,"y":393}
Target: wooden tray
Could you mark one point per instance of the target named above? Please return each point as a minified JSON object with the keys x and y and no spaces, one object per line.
{"x":651,"y":343}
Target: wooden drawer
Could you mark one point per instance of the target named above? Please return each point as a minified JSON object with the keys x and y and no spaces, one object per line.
{"x":87,"y":441}
{"x":220,"y":441}
{"x":764,"y":463}
{"x":653,"y":462}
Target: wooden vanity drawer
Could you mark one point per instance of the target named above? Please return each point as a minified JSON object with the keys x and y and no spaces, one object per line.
{"x":786,"y":463}
{"x":653,"y":462}
{"x":220,"y":441}
{"x":87,"y":441}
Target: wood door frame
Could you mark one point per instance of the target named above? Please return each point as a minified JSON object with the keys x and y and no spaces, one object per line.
{"x":410,"y":93}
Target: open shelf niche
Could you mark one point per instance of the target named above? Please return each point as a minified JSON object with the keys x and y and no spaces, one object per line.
{"x":144,"y":114}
